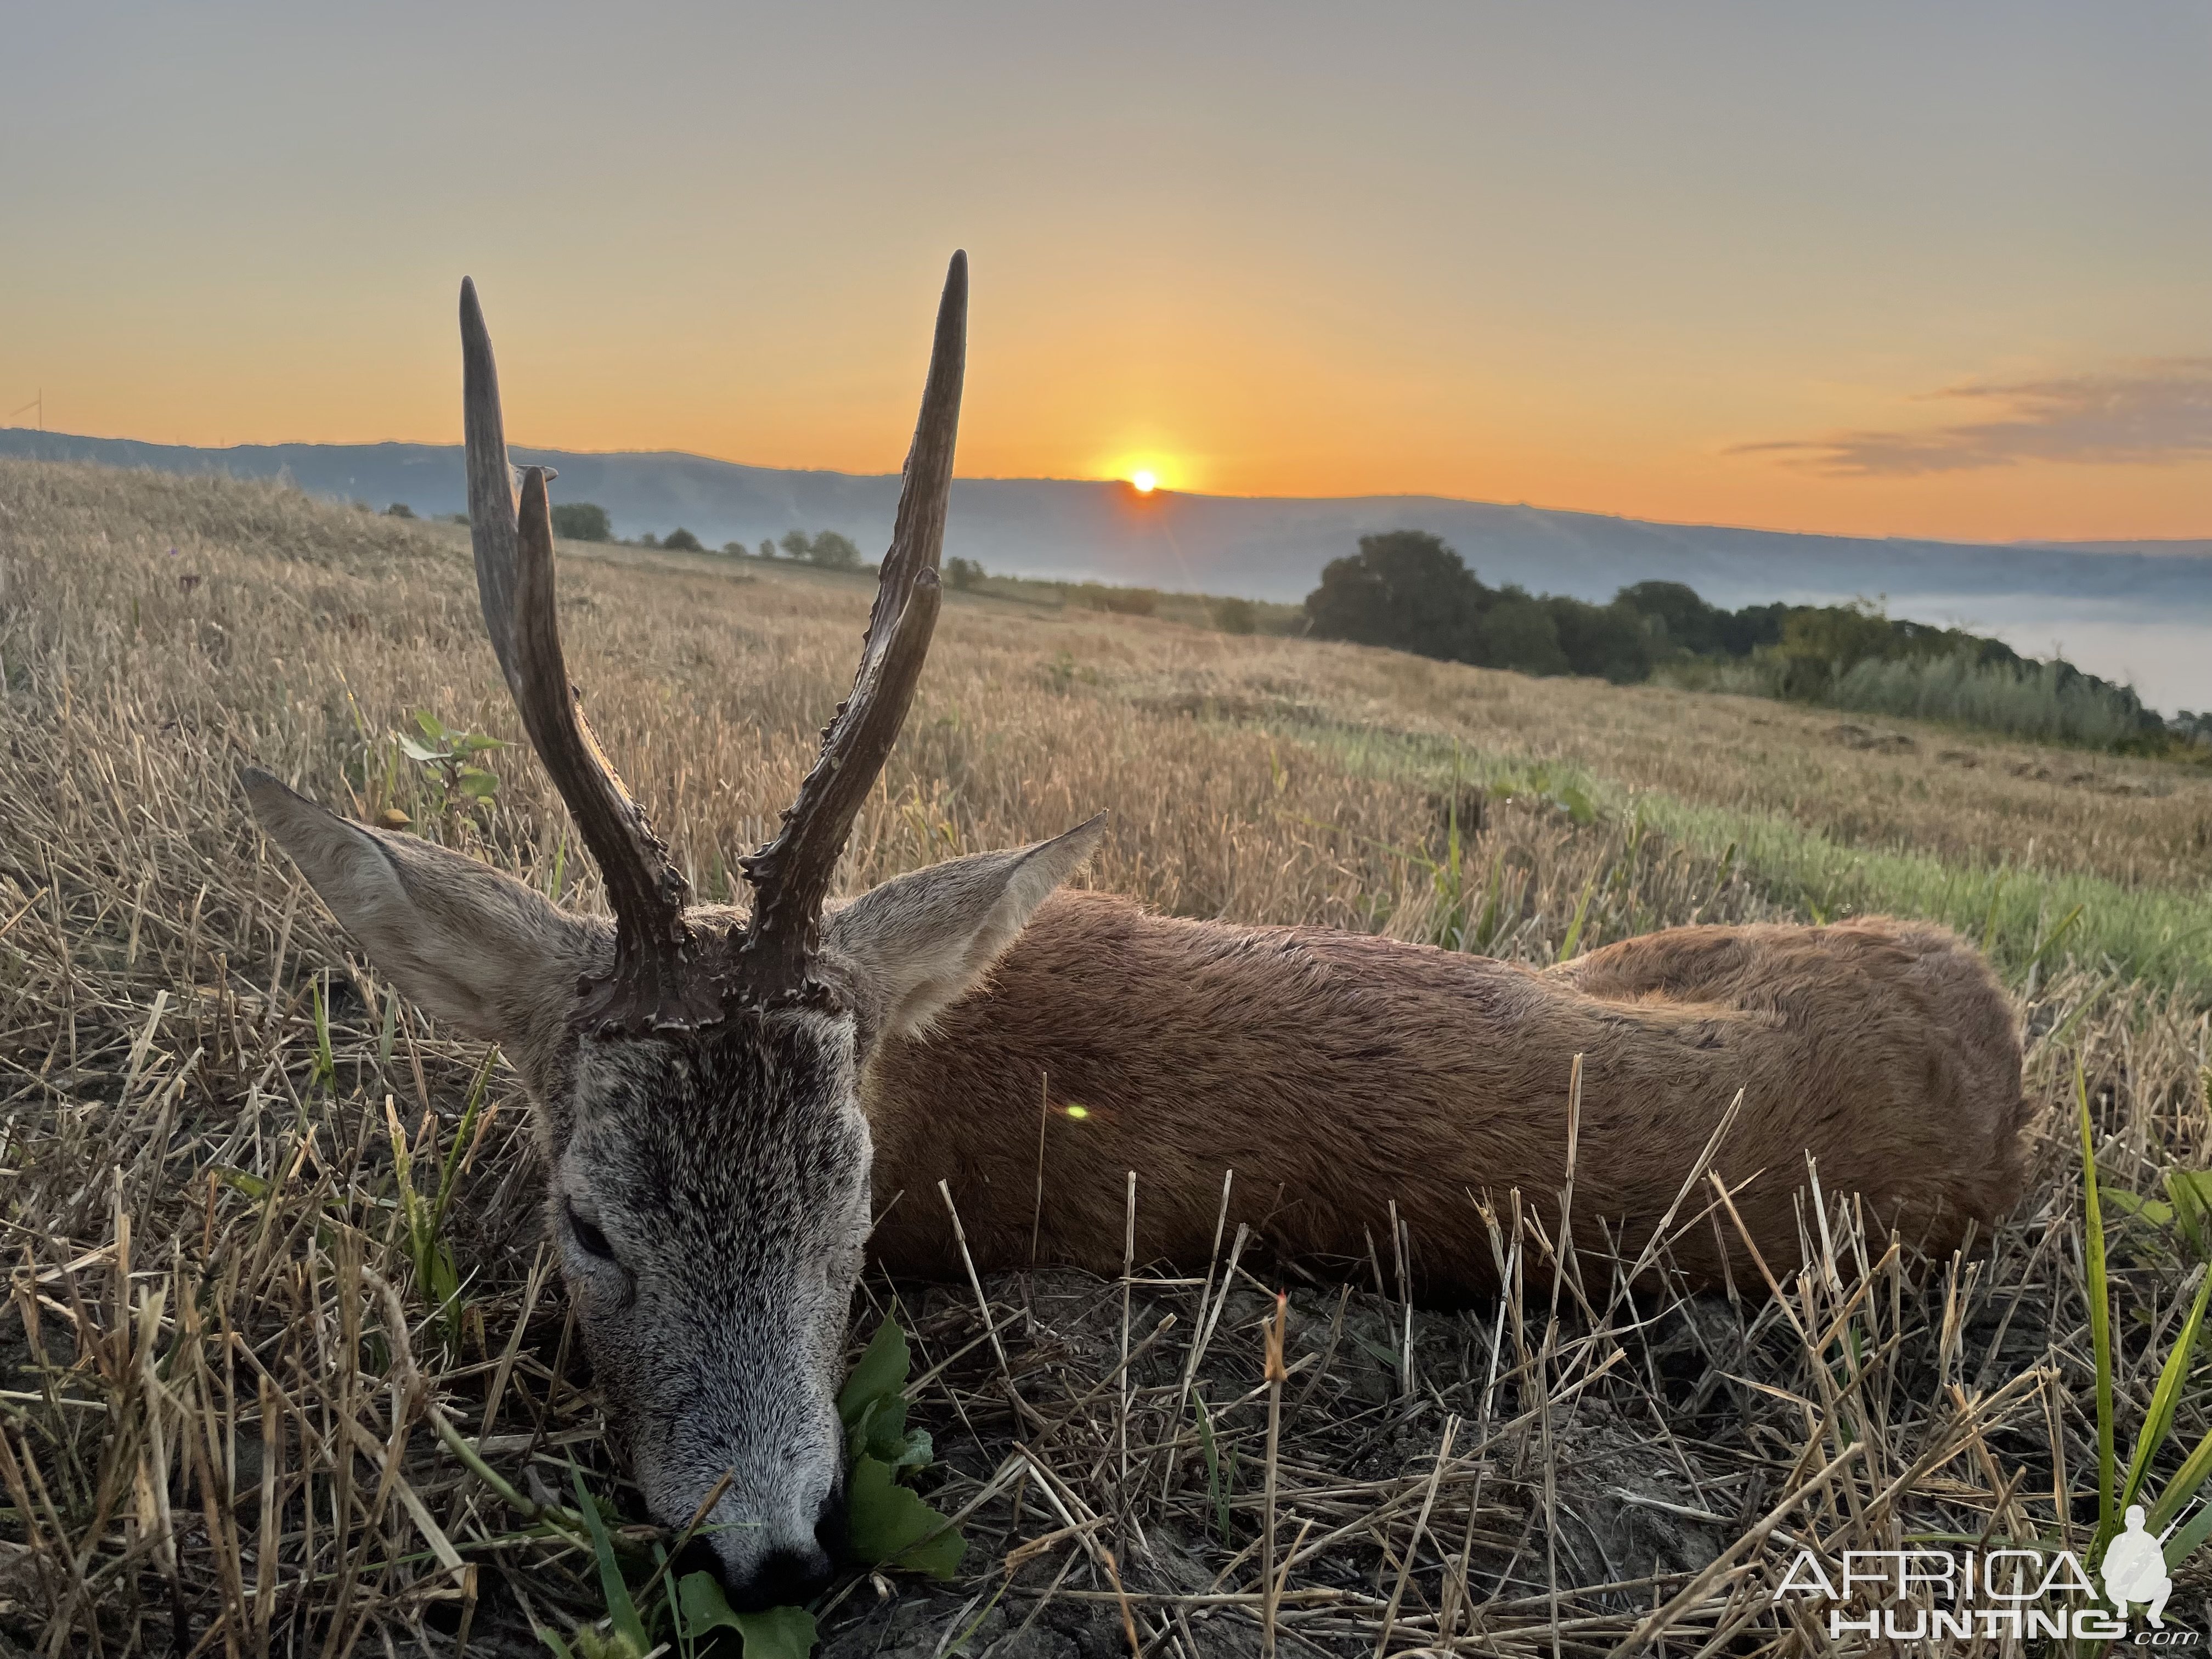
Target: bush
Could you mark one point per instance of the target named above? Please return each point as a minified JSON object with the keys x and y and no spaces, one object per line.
{"x":767,"y":547}
{"x":797,"y":543}
{"x":683,"y":541}
{"x":2042,"y":701}
{"x":1607,"y":642}
{"x":1519,"y":632}
{"x":1121,"y":601}
{"x":834,"y":552}
{"x":1403,"y":588}
{"x":399,"y":510}
{"x":1236,"y":617}
{"x":582,"y":521}
{"x":962,"y":574}
{"x":1678,"y":623}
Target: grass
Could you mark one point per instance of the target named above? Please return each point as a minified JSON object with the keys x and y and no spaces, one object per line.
{"x":2022,"y":917}
{"x":2041,"y":703}
{"x":287,"y":1369}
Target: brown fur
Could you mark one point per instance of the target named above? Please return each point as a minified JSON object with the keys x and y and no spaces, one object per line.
{"x":1336,"y":1073}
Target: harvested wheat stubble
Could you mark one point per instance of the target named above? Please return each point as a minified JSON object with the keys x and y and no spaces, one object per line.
{"x":224,"y":1376}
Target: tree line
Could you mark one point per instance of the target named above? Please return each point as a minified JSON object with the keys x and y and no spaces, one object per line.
{"x":1407,"y":589}
{"x":587,"y":521}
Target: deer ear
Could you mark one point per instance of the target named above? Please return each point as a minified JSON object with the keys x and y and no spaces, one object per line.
{"x":472,"y":947}
{"x":921,"y":942}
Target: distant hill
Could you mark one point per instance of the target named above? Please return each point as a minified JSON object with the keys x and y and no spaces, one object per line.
{"x":1266,"y":548}
{"x":2191,"y":547}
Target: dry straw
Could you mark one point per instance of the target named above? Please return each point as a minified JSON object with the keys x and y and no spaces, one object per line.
{"x":242,"y":1415}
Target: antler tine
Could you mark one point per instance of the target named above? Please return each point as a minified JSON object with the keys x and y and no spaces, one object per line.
{"x":649,"y":987}
{"x":791,"y":875}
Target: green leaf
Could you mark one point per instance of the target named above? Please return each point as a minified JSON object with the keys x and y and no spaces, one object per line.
{"x":778,"y":1633}
{"x":881,"y":1374}
{"x":415,"y":751}
{"x":622,"y":1612}
{"x":891,"y":1526}
{"x":2186,"y":1542}
{"x":919,"y":1451}
{"x":475,"y":743}
{"x":2144,"y":1209}
{"x":252,"y":1185}
{"x":444,"y":1277}
{"x":2166,"y":1395}
{"x":476,"y":782}
{"x":429,"y":726}
{"x":2192,"y":1192}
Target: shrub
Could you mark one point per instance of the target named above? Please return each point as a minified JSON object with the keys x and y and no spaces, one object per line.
{"x":582,"y":521}
{"x":962,"y":574}
{"x":767,"y":547}
{"x":797,"y":544}
{"x":1677,"y":622}
{"x":1518,"y":632}
{"x":1403,"y":588}
{"x":399,"y":510}
{"x":1236,"y":617}
{"x":1121,"y":601}
{"x":1607,"y":642}
{"x":683,"y":541}
{"x":835,"y":552}
{"x":2044,"y":701}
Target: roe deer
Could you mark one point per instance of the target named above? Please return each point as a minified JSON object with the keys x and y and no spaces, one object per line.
{"x":719,"y":1095}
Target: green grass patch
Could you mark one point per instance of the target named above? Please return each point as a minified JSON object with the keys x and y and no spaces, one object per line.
{"x":2019,"y":917}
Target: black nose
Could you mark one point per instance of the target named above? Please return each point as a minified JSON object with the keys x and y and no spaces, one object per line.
{"x":785,"y":1577}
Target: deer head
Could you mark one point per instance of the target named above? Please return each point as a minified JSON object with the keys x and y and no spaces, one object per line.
{"x":696,"y":1072}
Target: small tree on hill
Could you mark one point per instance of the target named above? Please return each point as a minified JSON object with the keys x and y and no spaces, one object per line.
{"x":582,"y":521}
{"x":1403,"y":588}
{"x":399,"y":510}
{"x":797,"y":544}
{"x":683,"y":541}
{"x":768,"y":548}
{"x":1236,"y":617}
{"x":835,"y":552}
{"x":962,"y":574}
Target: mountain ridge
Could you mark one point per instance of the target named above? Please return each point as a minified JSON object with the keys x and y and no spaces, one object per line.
{"x":1266,"y":547}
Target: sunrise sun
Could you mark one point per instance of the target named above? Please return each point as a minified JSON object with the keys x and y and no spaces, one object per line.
{"x":1144,"y":480}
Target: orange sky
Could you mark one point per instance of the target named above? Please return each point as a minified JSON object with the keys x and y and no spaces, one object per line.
{"x":1935,"y":272}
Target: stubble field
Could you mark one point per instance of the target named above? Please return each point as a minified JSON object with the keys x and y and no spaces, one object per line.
{"x":222,"y":1383}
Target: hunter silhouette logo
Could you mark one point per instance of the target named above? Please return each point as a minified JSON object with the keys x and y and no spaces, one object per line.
{"x":2134,"y":1569}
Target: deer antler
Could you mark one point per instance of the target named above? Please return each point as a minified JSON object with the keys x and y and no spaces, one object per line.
{"x":791,"y":875}
{"x":656,"y":984}
{"x":663,"y":978}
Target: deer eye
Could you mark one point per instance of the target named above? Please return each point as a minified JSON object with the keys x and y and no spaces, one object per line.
{"x":593,"y":1240}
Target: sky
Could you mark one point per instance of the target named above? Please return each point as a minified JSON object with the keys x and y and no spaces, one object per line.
{"x":1932,"y":271}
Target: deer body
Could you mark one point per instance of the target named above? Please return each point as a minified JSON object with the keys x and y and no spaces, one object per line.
{"x":723,"y":1099}
{"x":1336,"y":1073}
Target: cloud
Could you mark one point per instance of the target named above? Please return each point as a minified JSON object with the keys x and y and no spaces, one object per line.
{"x":2156,"y":414}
